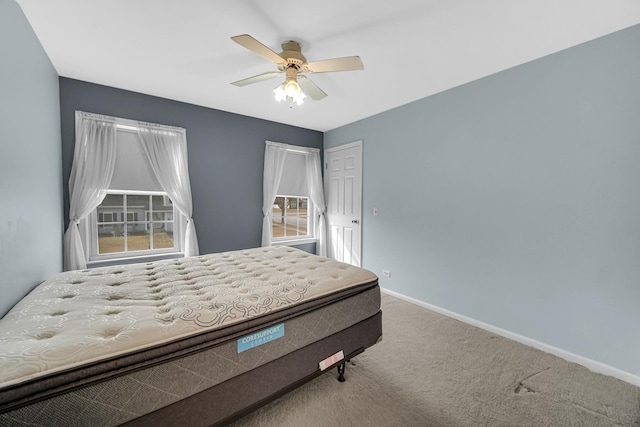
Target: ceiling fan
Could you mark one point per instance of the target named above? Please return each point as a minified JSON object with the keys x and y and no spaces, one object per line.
{"x":294,"y":65}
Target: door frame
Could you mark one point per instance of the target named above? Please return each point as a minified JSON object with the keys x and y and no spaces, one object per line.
{"x":357,"y":143}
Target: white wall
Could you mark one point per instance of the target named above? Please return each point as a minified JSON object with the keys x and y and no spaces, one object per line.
{"x":30,"y":160}
{"x":515,"y":199}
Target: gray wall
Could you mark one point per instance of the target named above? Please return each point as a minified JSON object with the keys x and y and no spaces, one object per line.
{"x":515,"y":199}
{"x":226,"y":156}
{"x":30,"y":166}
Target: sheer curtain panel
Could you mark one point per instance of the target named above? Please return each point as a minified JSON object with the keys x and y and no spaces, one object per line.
{"x":274,"y":157}
{"x":93,"y":161}
{"x":166,"y":151}
{"x":316,"y":193}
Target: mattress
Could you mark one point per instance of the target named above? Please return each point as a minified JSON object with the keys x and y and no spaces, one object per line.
{"x":81,"y":333}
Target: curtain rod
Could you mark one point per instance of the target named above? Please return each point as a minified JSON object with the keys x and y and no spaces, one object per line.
{"x":124,"y":123}
{"x":294,"y":148}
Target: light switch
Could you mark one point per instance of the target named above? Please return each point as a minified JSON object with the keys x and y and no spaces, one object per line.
{"x":375,"y":211}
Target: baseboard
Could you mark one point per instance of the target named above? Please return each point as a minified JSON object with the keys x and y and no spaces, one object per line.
{"x":590,"y":364}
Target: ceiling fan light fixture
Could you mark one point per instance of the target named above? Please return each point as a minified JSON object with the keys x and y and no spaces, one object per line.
{"x":291,"y":88}
{"x":279,"y":93}
{"x":299,"y":99}
{"x":284,"y":92}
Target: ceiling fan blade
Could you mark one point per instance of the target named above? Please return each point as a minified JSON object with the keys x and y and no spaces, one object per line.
{"x":310,"y":88}
{"x":260,"y":77}
{"x":255,"y":46}
{"x":348,"y":63}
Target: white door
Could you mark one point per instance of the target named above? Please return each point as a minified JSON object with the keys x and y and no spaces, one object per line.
{"x":343,"y":188}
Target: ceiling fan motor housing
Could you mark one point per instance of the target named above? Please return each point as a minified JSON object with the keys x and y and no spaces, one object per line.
{"x":292,"y":54}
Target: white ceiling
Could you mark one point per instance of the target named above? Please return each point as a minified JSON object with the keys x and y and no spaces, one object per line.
{"x":181,"y":49}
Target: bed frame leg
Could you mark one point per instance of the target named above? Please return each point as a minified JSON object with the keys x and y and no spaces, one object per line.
{"x":341,"y":368}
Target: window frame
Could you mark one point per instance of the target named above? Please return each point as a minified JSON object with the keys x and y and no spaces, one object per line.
{"x":297,"y":240}
{"x":91,"y":231}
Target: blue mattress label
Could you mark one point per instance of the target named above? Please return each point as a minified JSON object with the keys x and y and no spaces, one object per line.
{"x":261,"y":337}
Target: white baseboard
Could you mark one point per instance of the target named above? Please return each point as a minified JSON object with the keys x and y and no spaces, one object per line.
{"x":590,"y":364}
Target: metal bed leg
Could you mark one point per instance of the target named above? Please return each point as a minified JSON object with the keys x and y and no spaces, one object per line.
{"x":341,"y":368}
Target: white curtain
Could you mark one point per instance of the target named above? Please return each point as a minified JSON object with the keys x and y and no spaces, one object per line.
{"x":91,"y":172}
{"x":316,"y":193}
{"x":166,"y":151}
{"x":274,"y":157}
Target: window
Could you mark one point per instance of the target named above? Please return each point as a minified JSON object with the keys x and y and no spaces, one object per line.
{"x":292,"y":197}
{"x":135,"y":222}
{"x":292,"y":207}
{"x":127,"y":158}
{"x":136,"y":218}
{"x":290,"y":217}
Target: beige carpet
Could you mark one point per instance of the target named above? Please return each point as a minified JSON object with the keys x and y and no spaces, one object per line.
{"x":431,"y":370}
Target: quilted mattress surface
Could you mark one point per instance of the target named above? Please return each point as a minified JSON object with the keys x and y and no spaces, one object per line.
{"x":79,"y":317}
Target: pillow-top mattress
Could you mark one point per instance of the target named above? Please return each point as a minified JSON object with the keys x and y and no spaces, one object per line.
{"x":79,"y":317}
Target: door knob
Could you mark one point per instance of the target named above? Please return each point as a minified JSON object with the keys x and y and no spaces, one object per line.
{"x":355,"y":221}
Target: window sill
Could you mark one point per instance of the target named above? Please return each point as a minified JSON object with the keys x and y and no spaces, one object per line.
{"x":294,"y":242}
{"x":132,"y":260}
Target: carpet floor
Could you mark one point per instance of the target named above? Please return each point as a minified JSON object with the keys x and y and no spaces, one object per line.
{"x":431,"y":370}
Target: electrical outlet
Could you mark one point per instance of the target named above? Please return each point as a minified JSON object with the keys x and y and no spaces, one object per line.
{"x":386,"y":273}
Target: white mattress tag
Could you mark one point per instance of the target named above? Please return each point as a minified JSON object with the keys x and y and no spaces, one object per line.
{"x":324,"y":364}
